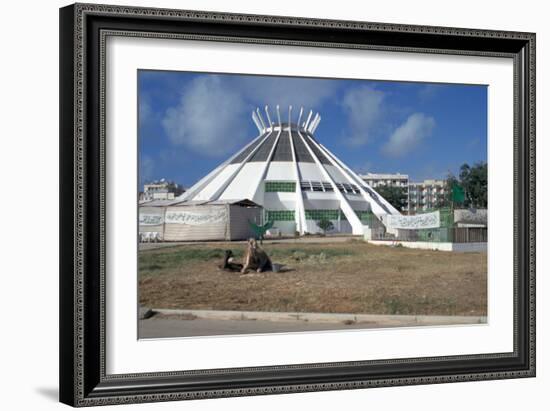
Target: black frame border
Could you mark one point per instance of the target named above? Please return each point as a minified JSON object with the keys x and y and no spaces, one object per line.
{"x":83,"y":30}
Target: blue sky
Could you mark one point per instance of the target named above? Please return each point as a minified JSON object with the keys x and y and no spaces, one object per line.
{"x":191,"y":122}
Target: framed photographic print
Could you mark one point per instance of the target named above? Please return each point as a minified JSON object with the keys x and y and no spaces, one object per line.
{"x":261,"y":204}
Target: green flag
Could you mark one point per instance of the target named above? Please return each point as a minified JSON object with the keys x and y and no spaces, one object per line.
{"x":457,"y":194}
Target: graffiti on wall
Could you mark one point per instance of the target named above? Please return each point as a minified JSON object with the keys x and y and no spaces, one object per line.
{"x":150,"y":219}
{"x":413,"y":222}
{"x":209,"y":216}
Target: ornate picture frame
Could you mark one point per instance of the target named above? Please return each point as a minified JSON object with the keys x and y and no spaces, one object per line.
{"x":84,"y":29}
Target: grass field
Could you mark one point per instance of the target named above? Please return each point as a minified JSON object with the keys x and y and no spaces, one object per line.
{"x":346,"y":277}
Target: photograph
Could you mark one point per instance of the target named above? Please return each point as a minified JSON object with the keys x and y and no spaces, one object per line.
{"x":282,"y":204}
{"x":255,"y":203}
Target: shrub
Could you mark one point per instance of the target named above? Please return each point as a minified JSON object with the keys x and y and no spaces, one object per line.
{"x":325,"y":224}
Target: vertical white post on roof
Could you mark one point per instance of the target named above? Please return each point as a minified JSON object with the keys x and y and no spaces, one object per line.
{"x":312,"y":124}
{"x":306,"y":124}
{"x":315,"y":123}
{"x":300,"y":116}
{"x":289,"y":115}
{"x":279,"y":116}
{"x":309,"y":124}
{"x":257,"y":122}
{"x":260,"y":117}
{"x":268,"y":116}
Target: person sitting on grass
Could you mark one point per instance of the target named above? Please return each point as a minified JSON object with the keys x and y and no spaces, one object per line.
{"x":256,"y":258}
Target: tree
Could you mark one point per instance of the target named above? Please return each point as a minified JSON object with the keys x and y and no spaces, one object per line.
{"x":396,"y":196}
{"x":471,"y":184}
{"x":452,"y":185}
{"x":175,"y":188}
{"x":325,"y":224}
{"x":473,"y":179}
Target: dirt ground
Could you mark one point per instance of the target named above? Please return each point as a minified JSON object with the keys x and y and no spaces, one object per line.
{"x":345,"y":277}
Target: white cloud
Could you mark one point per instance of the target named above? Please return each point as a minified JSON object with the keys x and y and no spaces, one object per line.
{"x":409,"y":135}
{"x":364,"y":108}
{"x":297,"y":92}
{"x":207,"y":118}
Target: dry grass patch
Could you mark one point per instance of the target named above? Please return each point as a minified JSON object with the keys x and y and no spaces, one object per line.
{"x":347,"y":277}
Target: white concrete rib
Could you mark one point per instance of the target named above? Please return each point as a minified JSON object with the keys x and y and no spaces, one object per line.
{"x":198,"y":186}
{"x":356,"y":224}
{"x":262,"y":174}
{"x":355,"y":179}
{"x":219,"y":192}
{"x":299,"y":209}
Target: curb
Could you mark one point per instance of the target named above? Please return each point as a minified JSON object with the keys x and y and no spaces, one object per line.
{"x":326,"y":317}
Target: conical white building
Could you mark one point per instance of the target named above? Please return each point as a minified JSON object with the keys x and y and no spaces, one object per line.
{"x":296,"y":179}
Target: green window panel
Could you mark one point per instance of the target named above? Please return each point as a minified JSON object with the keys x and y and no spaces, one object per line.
{"x":366,"y":217}
{"x":280,"y":186}
{"x":279,"y":215}
{"x":322,"y":214}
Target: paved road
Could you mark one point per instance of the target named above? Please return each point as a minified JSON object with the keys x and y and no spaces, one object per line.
{"x":162,"y":327}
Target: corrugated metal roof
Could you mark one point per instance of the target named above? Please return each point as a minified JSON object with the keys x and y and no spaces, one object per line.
{"x":242,"y":201}
{"x":156,"y":203}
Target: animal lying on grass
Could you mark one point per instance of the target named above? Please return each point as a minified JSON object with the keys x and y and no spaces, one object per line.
{"x":228,"y":264}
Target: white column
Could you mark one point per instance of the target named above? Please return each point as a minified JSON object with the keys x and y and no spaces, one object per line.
{"x":299,"y":209}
